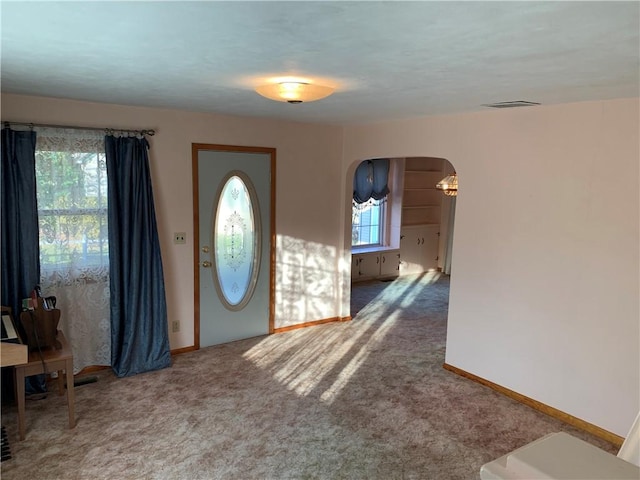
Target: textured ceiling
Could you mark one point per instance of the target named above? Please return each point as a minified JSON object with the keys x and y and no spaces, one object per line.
{"x":388,"y":60}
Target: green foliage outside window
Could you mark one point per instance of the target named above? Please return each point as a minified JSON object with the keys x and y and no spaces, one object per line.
{"x":72,"y":208}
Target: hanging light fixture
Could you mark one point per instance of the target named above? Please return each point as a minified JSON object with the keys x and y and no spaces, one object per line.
{"x":294,"y":92}
{"x":449,"y":185}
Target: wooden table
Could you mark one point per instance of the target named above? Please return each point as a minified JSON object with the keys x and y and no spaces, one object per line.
{"x":13,"y":354}
{"x":54,"y":360}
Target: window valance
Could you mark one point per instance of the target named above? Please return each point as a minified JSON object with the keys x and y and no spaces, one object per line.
{"x":371,"y":180}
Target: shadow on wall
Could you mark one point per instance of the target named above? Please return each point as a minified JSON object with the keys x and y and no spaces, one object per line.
{"x":307,"y":281}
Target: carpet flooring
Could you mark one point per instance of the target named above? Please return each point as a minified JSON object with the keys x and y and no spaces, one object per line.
{"x":365,"y":399}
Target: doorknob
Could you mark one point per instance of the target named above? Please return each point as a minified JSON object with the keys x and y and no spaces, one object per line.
{"x":205,"y":264}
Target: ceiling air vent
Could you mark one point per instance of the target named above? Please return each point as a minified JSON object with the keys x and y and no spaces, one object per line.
{"x":513,"y":104}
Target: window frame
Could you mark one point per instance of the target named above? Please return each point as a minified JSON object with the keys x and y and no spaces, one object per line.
{"x":51,"y":262}
{"x":381,"y":225}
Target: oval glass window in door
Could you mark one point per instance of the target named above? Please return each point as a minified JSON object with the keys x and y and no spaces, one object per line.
{"x":236,"y":240}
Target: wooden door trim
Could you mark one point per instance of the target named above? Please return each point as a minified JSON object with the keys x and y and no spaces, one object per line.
{"x":195,"y":149}
{"x":600,"y":432}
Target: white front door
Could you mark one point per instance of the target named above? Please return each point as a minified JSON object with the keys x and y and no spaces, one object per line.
{"x":233,"y":242}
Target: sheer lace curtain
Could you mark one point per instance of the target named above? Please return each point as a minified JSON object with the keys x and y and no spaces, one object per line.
{"x":71,"y":181}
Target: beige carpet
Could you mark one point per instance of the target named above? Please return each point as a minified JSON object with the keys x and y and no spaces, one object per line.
{"x":366,"y":399}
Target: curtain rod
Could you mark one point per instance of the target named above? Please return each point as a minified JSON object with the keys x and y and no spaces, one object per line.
{"x":107,"y":130}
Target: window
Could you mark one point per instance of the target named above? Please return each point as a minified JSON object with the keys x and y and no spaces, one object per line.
{"x":72,"y":208}
{"x":370,"y":192}
{"x":71,"y":185}
{"x":367,"y":223}
{"x":236,"y":234}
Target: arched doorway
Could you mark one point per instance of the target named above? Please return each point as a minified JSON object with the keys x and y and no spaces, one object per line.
{"x":419,"y":225}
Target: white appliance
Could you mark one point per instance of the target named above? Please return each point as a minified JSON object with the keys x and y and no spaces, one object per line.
{"x":561,"y":456}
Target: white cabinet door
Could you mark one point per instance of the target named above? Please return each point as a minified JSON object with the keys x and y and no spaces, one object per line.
{"x":369,"y":265}
{"x":430,"y":241}
{"x":355,"y":267}
{"x":410,"y":250}
{"x":418,"y":248}
{"x":389,"y":263}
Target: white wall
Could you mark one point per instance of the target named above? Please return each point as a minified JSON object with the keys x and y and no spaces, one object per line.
{"x":544,"y":286}
{"x":308,"y":169}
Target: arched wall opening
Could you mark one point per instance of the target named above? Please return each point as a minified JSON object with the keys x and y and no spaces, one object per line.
{"x":419,"y":223}
{"x":537,"y":254}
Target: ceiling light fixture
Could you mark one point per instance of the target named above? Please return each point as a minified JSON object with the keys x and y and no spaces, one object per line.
{"x":449,"y":185}
{"x":294,"y":92}
{"x":511,"y":104}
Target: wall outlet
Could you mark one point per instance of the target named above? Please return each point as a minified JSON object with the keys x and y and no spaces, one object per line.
{"x":180,"y":238}
{"x":175,"y":326}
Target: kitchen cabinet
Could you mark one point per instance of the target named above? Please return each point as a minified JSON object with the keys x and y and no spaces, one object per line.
{"x":419,"y":248}
{"x":376,"y":264}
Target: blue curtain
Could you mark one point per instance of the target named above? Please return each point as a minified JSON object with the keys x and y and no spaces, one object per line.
{"x":139,"y":332}
{"x":20,"y":257}
{"x":20,"y":248}
{"x":371,"y":180}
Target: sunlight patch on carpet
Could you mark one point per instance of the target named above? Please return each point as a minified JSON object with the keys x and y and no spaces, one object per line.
{"x":302,"y":359}
{"x":358,"y":359}
{"x":427,"y":278}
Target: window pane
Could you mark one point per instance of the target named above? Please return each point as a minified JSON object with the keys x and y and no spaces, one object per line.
{"x":367,"y":222}
{"x":72,"y":208}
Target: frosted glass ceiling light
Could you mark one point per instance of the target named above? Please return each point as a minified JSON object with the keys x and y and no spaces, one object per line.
{"x":294,"y":92}
{"x":449,"y":185}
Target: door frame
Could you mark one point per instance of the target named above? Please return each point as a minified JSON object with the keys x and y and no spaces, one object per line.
{"x":196,"y":148}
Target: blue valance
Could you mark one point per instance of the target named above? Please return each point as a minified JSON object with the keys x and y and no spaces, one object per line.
{"x":370,"y":180}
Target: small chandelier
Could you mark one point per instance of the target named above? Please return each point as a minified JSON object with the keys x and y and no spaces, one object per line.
{"x":449,"y":185}
{"x":294,"y":92}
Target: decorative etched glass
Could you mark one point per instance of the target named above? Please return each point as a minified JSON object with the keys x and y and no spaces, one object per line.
{"x":236,"y":240}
